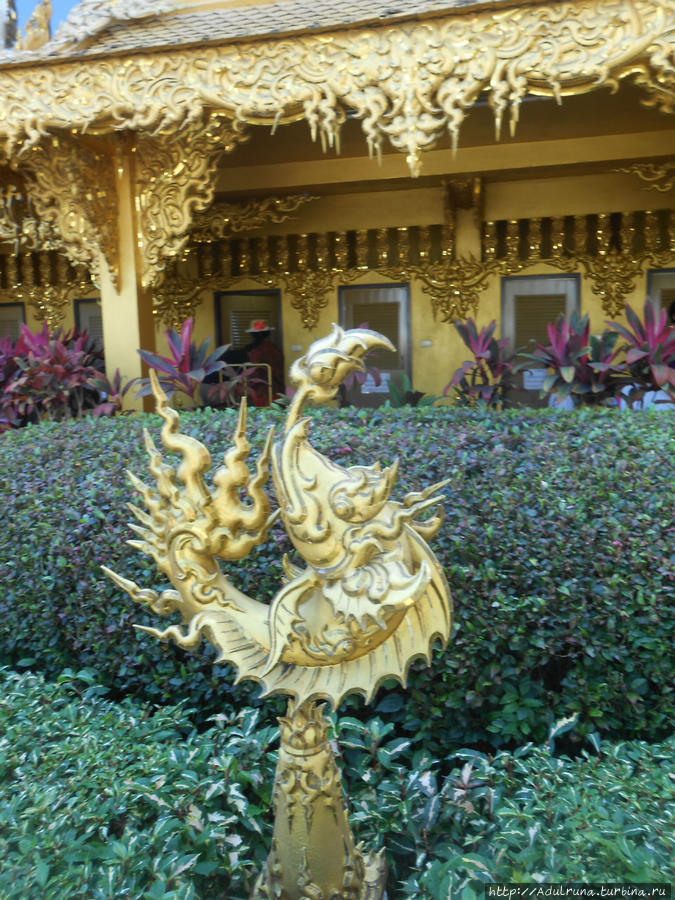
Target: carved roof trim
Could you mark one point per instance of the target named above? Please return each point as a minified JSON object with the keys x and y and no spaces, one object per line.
{"x":409,"y":84}
{"x":95,"y":28}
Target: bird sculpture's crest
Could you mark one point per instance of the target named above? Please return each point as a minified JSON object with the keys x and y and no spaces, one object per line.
{"x":370,"y":596}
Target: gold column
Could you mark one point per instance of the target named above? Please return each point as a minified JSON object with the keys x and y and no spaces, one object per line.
{"x":467,"y":234}
{"x":128,"y":322}
{"x":313,"y":852}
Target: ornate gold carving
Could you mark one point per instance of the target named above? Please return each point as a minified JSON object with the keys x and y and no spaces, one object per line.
{"x":454,"y":286}
{"x":367,"y":562}
{"x":174,"y":179}
{"x":73,"y":192}
{"x":49,"y":289}
{"x":463,"y":193}
{"x":283,"y":255}
{"x":361,"y":249}
{"x":656,"y":176}
{"x":370,"y":598}
{"x":627,"y":232}
{"x":20,"y":224}
{"x":310,"y":818}
{"x":490,"y":241}
{"x":424,"y":245}
{"x":223,"y":219}
{"x":612,"y":276}
{"x":409,"y":83}
{"x":611,"y":260}
{"x":90,"y":16}
{"x":341,"y":251}
{"x":38,"y":30}
{"x":651,"y":231}
{"x":176,"y":299}
{"x":322,"y":252}
{"x":310,"y":291}
{"x":263,"y":255}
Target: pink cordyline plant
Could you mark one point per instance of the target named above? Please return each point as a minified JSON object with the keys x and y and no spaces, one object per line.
{"x":187,"y":366}
{"x":580,"y":365}
{"x":650,"y":350}
{"x":52,"y":377}
{"x":487,"y":378}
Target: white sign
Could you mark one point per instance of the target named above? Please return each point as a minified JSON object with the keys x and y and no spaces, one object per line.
{"x":369,"y":386}
{"x":533,"y":379}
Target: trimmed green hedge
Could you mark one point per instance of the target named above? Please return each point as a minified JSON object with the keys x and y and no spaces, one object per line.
{"x":99,"y":800}
{"x":558,"y":544}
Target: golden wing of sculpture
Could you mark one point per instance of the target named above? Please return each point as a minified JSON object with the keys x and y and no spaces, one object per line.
{"x":371,"y":596}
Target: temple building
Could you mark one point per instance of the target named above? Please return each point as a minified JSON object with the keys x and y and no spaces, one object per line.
{"x":7,"y":23}
{"x":305,"y":162}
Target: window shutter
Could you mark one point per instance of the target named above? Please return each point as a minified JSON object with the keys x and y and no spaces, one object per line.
{"x":11,"y":319}
{"x":533,"y":313}
{"x":91,"y":319}
{"x":379,"y":309}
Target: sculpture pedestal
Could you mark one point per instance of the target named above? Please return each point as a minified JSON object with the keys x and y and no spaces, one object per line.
{"x":313,"y":853}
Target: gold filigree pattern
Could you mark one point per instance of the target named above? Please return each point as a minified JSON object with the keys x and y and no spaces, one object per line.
{"x":174,"y":179}
{"x":310,"y":291}
{"x":310,"y":266}
{"x":223,"y":219}
{"x":455,"y":286}
{"x":73,"y":192}
{"x":606,"y":250}
{"x":612,"y":276}
{"x":369,"y":598}
{"x":408,"y":83}
{"x":45,"y":282}
{"x":19,"y":223}
{"x":176,"y":299}
{"x":656,"y":176}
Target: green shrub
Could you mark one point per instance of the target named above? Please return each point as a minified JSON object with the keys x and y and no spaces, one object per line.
{"x":558,"y":545}
{"x":100,"y":800}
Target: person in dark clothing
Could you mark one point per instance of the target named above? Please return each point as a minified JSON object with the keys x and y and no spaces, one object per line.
{"x":262,"y":350}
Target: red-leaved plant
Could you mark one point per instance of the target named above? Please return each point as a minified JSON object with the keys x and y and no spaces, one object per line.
{"x":488,"y":377}
{"x":8,"y":415}
{"x":650,"y":351}
{"x":53,"y":377}
{"x":187,"y":366}
{"x":581,"y":365}
{"x":111,"y":393}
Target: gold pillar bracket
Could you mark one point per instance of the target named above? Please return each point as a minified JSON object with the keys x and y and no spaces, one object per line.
{"x":365,"y":597}
{"x":175,"y":179}
{"x":73,"y":192}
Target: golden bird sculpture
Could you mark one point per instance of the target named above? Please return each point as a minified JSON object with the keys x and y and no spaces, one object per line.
{"x":369,"y":598}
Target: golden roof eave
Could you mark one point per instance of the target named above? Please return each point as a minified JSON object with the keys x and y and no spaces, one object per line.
{"x":409,"y":83}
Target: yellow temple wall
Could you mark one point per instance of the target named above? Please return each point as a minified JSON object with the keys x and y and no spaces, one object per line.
{"x":412,"y":205}
{"x":432,"y":366}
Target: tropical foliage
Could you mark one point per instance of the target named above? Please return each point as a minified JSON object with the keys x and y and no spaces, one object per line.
{"x":48,"y":376}
{"x":99,"y":799}
{"x":581,"y":365}
{"x":649,"y":347}
{"x":402,"y":393}
{"x":188,"y":370}
{"x":186,"y":367}
{"x":557,"y":543}
{"x":487,"y":378}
